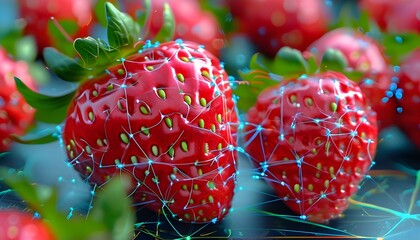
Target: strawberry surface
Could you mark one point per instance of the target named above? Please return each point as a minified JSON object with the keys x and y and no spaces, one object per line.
{"x":166,"y":116}
{"x":15,"y":114}
{"x":312,"y":139}
{"x":17,"y":225}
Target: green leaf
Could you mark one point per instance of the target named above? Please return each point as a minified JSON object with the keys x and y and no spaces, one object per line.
{"x":51,"y":108}
{"x":333,"y":60}
{"x":122,"y":30}
{"x":288,"y":62}
{"x":17,"y":44}
{"x":61,"y":32}
{"x":64,"y":67}
{"x":119,"y":218}
{"x":43,"y":199}
{"x":143,"y":17}
{"x":254,"y":82}
{"x":95,"y":53}
{"x":100,"y":11}
{"x":167,"y":32}
{"x":52,"y":137}
{"x":397,"y":46}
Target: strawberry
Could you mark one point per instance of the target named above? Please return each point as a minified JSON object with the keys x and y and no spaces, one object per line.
{"x":366,"y":56}
{"x":74,"y":15}
{"x":272,"y":24}
{"x":15,"y":114}
{"x":362,"y":52}
{"x":384,"y":12}
{"x":409,"y":82}
{"x":163,"y":112}
{"x":198,"y":25}
{"x":313,"y":139}
{"x":18,"y":225}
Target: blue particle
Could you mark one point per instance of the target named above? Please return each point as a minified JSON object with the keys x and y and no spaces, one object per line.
{"x":303,"y":217}
{"x":393,"y":86}
{"x":214,"y":220}
{"x":399,"y":39}
{"x":385,"y":99}
{"x":179,"y":41}
{"x":389,"y":94}
{"x":396,"y":69}
{"x":399,"y":93}
{"x":107,"y":71}
{"x":399,"y":109}
{"x":368,"y":81}
{"x":259,"y":128}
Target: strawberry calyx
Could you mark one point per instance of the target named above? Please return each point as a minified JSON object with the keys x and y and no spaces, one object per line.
{"x":288,"y":63}
{"x":95,"y":56}
{"x":106,"y":220}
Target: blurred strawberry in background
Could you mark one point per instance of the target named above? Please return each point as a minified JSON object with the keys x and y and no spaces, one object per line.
{"x":74,"y":16}
{"x":15,"y":114}
{"x":192,"y":23}
{"x":394,"y":15}
{"x":272,"y":24}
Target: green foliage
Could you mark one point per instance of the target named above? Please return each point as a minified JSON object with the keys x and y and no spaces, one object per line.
{"x":110,"y":218}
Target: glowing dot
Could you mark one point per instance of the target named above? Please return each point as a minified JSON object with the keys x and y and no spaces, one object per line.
{"x":205,"y":74}
{"x":310,"y":187}
{"x":211,"y":185}
{"x":171,"y":152}
{"x":211,"y":199}
{"x":110,"y":87}
{"x":88,"y":150}
{"x":120,"y":71}
{"x":91,"y":116}
{"x":133,"y":159}
{"x":219,"y":118}
{"x":150,"y":68}
{"x":185,"y":59}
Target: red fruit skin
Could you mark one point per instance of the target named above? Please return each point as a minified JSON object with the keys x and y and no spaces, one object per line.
{"x":409,"y":82}
{"x":362,"y":53}
{"x":38,"y":13}
{"x":312,"y":156}
{"x":16,"y":225}
{"x":272,"y":24}
{"x":365,"y":55}
{"x":15,"y":114}
{"x":103,"y":131}
{"x":385,"y":13}
{"x":191,"y":22}
{"x":381,"y":90}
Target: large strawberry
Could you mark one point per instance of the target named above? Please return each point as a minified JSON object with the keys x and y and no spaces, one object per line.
{"x":366,"y":56}
{"x":272,"y":24}
{"x":15,"y":114}
{"x":162,"y":112}
{"x":409,"y":82}
{"x":18,"y":225}
{"x":73,"y":15}
{"x":191,"y":22}
{"x":312,"y":138}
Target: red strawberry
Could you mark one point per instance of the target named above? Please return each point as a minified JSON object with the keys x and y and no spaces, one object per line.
{"x":409,"y":82}
{"x":365,"y":55}
{"x":385,"y":13}
{"x":362,"y":52}
{"x":38,"y":13}
{"x":191,"y":22}
{"x":313,"y":139}
{"x":17,"y":225}
{"x":15,"y":114}
{"x":163,"y":113}
{"x":164,"y":116}
{"x":272,"y":24}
